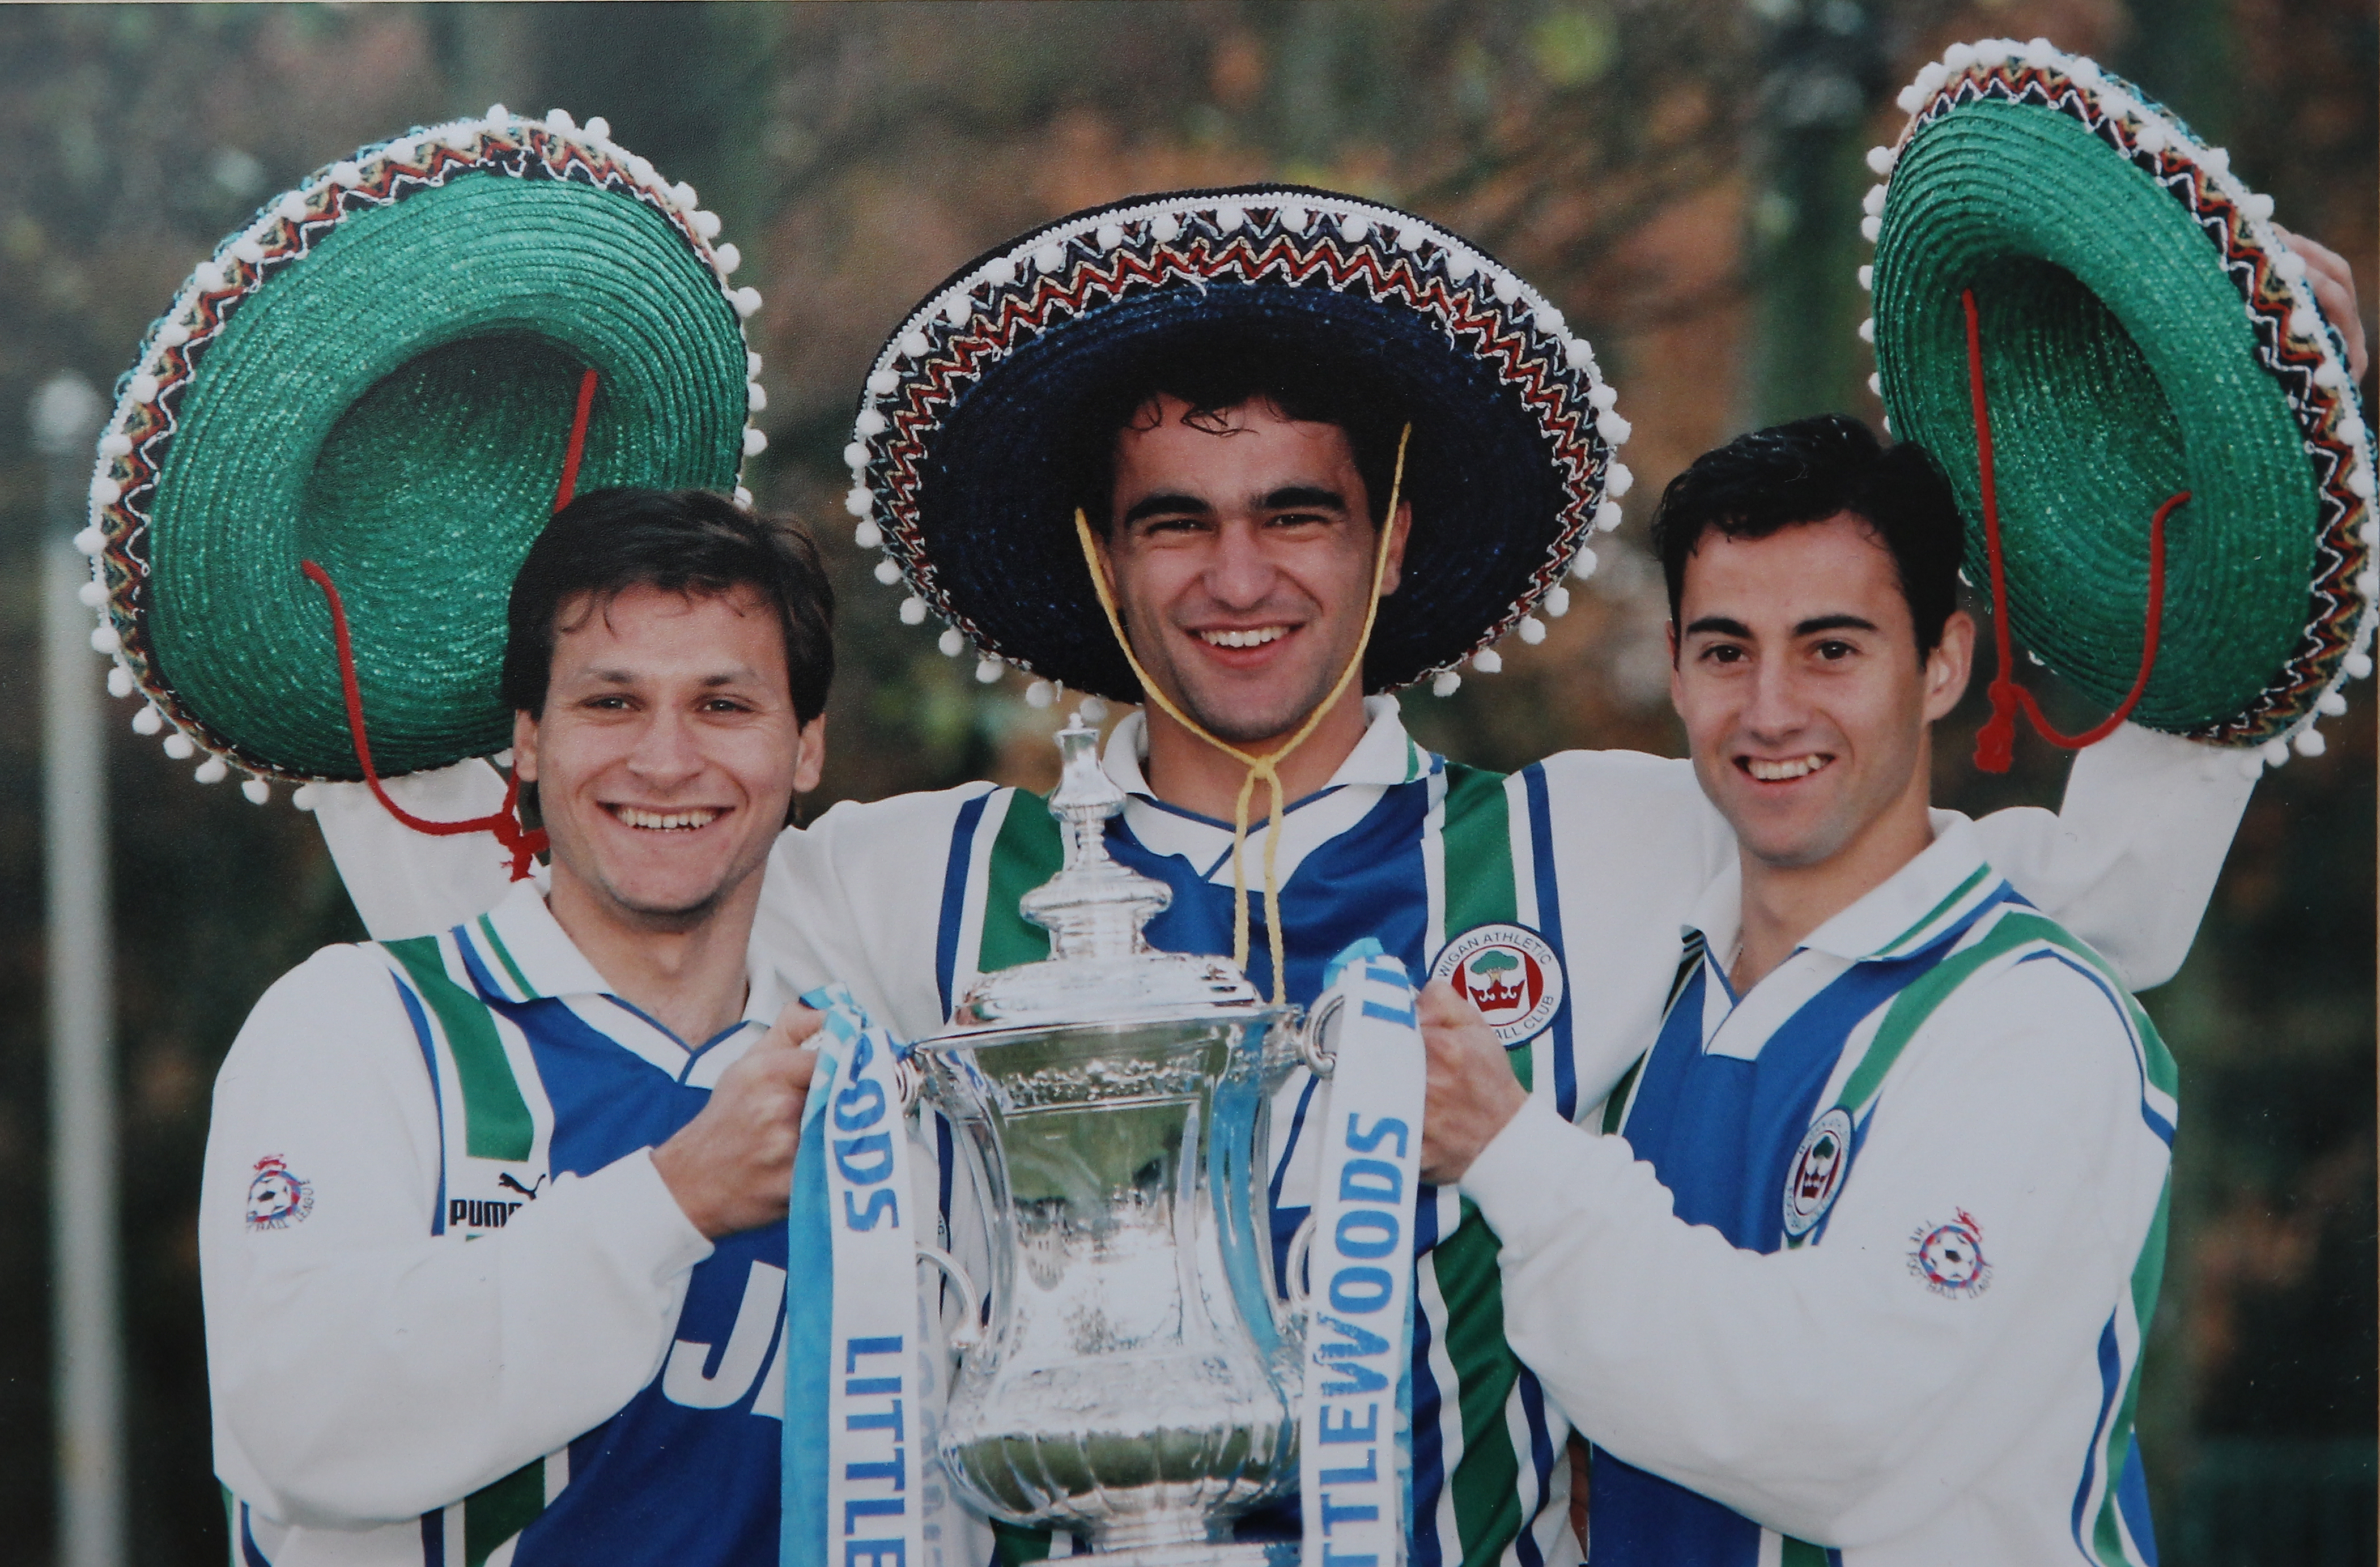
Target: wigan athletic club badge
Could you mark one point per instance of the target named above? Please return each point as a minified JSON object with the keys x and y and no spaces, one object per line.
{"x":1510,"y":973}
{"x":1817,"y":1173}
{"x":1949,"y":1257}
{"x":277,"y":1198}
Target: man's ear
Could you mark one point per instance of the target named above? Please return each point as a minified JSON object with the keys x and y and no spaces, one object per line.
{"x":1949,"y":665}
{"x":1400,"y":530}
{"x":811,"y":759}
{"x":525,"y":746}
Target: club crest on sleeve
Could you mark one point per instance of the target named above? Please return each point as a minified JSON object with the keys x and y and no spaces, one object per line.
{"x":1510,"y":973}
{"x":276,"y":1198}
{"x":1949,"y":1257}
{"x":1817,"y":1171}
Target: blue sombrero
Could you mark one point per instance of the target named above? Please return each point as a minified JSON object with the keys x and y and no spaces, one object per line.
{"x":963,"y":455}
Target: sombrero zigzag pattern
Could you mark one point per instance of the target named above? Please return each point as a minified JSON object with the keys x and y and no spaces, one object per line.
{"x":2247,"y":402}
{"x":468,"y":332}
{"x":1313,"y":267}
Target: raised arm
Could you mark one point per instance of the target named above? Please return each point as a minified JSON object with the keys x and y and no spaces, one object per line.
{"x":2130,"y":857}
{"x":408,"y":883}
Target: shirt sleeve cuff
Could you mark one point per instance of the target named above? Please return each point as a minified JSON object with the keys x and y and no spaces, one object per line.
{"x":1517,"y":1177}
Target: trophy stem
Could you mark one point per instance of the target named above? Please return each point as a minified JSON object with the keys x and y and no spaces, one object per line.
{"x":1093,"y":908}
{"x":1112,"y":1101}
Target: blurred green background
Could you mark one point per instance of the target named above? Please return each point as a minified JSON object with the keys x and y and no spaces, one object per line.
{"x":1682,"y":177}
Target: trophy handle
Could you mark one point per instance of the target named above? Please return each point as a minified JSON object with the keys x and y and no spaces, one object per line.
{"x":1318,"y":1057}
{"x":970,"y":1334}
{"x":1301,"y":1252}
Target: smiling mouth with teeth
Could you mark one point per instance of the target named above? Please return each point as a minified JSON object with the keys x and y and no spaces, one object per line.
{"x":1253,"y":636}
{"x":1785,"y":771}
{"x":667,"y":821}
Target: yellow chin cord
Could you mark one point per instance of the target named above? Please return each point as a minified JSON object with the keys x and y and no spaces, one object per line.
{"x":1265,"y":767}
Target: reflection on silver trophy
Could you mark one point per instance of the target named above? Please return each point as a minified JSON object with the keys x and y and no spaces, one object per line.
{"x":1137,"y":1380}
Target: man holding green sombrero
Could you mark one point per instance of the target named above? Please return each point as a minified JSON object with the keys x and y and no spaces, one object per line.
{"x":491,"y":1229}
{"x":1259,"y":457}
{"x":1868,"y":1279}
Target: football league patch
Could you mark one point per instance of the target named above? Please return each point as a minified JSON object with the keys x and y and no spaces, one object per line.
{"x":1817,"y":1171}
{"x":1510,"y":973}
{"x":1949,"y":1257}
{"x":276,"y":1198}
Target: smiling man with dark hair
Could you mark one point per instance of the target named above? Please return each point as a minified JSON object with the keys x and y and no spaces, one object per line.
{"x":1864,"y":1277}
{"x":491,"y":1225}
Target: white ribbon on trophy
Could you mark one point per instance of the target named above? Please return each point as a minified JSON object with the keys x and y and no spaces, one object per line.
{"x":1356,"y":1422}
{"x":861,"y":1484}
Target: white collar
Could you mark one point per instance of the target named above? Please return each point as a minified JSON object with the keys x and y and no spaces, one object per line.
{"x":526,"y":953}
{"x":1386,"y":755}
{"x":1898,"y":915}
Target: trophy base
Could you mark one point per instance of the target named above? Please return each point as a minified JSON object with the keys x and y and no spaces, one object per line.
{"x":1205,"y":1553}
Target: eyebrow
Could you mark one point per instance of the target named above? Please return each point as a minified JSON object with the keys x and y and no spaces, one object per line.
{"x":629,"y":676}
{"x":1288,"y":498}
{"x":1303,"y":497}
{"x":1720,"y":625}
{"x":1168,"y":503}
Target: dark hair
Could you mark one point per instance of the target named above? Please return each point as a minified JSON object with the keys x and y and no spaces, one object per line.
{"x":1225,"y":367}
{"x":1807,"y":471}
{"x":681,"y":541}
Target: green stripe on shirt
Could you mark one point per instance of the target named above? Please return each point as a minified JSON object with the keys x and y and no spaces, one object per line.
{"x":1936,"y":911}
{"x":1475,"y":841}
{"x":495,"y":1117}
{"x":497,"y":1512}
{"x":504,"y":957}
{"x":1029,"y":850}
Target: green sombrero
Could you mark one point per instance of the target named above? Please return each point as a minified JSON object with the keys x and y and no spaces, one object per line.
{"x":2142,"y":332}
{"x":395,"y":372}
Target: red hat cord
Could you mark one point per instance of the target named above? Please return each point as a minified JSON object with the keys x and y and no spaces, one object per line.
{"x":1995,"y":742}
{"x":505,"y":823}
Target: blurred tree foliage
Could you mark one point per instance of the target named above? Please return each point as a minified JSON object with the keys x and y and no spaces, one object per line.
{"x":1682,"y":177}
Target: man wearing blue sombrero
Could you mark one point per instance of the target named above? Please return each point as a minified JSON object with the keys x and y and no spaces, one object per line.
{"x":1259,"y":457}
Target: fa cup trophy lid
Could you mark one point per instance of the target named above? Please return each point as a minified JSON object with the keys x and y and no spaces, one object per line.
{"x":1101,"y":968}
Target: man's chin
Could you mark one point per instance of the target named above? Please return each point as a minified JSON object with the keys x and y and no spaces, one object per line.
{"x":675,"y":918}
{"x":1796,"y":846}
{"x":1248,"y":719}
{"x":664,"y":909}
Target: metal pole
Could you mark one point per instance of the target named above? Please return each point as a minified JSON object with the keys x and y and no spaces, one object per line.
{"x":1824,"y":66}
{"x":85,"y":1322}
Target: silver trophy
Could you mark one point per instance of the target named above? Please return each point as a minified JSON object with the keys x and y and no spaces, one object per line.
{"x":1138,"y":1380}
